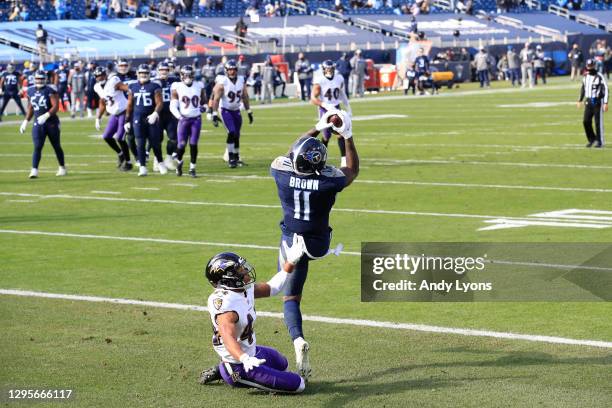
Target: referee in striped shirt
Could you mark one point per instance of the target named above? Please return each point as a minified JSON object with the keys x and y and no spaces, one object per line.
{"x":594,"y":93}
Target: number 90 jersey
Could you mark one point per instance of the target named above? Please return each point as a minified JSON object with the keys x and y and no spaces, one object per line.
{"x":243,"y":304}
{"x":306,"y":200}
{"x":115,"y":99}
{"x":232,"y":92}
{"x":330,"y":88}
{"x":189,"y":98}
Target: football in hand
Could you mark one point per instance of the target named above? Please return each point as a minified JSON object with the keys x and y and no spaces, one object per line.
{"x":335,"y":120}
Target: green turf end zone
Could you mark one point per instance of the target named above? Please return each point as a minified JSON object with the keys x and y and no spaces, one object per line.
{"x":444,"y":172}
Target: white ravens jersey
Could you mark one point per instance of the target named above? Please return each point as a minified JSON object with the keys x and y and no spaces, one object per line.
{"x":189,"y":98}
{"x":115,"y":99}
{"x":330,"y":88}
{"x":232,"y":92}
{"x":243,"y":304}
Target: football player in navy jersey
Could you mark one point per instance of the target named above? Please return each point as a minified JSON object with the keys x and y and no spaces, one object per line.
{"x":307,"y":190}
{"x":144,"y":107}
{"x":61,"y":84}
{"x":167,"y":120}
{"x":43,"y":105}
{"x":10,"y":84}
{"x":28,"y":72}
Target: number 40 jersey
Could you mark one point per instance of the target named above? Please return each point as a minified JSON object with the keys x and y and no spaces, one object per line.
{"x":330,"y":88}
{"x":115,"y":99}
{"x":243,"y":304}
{"x":189,"y":98}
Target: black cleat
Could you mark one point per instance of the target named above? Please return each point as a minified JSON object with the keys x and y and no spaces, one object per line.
{"x":599,"y":145}
{"x":192,"y":173}
{"x":233,"y":164}
{"x":589,"y":144}
{"x":179,"y":169}
{"x":126,"y":166}
{"x":210,"y":375}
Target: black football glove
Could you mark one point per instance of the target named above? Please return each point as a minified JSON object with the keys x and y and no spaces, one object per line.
{"x":215,"y":119}
{"x":250,"y":113}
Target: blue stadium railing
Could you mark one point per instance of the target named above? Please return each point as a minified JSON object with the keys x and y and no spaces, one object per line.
{"x":235,"y":8}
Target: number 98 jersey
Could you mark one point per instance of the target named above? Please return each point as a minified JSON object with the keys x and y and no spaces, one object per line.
{"x":115,"y":99}
{"x":330,"y":88}
{"x":243,"y":304}
{"x":189,"y":98}
{"x":232,"y":92}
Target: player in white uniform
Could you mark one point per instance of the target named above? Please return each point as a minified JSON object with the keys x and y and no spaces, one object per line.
{"x":229,"y":93}
{"x":112,"y":100}
{"x":187,"y":104}
{"x":232,"y":313}
{"x":328,"y":93}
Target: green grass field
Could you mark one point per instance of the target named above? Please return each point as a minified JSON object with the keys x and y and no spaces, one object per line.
{"x":440,"y":173}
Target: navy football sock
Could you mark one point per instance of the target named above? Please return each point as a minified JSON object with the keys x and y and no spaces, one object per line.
{"x":293,"y":318}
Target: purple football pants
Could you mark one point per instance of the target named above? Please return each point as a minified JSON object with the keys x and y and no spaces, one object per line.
{"x":270,"y":376}
{"x":189,"y":131}
{"x":232,"y":121}
{"x":114,"y":127}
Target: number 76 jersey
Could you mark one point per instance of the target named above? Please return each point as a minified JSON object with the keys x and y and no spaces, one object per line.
{"x":189,"y":98}
{"x":243,"y":304}
{"x":306,"y":200}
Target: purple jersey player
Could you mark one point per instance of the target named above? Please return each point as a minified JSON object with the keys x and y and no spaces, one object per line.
{"x":232,"y":313}
{"x":229,"y":93}
{"x":307,"y":190}
{"x":43,"y":105}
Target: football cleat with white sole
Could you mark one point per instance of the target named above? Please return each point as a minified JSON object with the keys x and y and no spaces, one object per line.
{"x":302,"y":361}
{"x":142,"y":171}
{"x":155,"y":165}
{"x":61,"y":171}
{"x":161,"y":167}
{"x":169,"y":163}
{"x":33,"y":173}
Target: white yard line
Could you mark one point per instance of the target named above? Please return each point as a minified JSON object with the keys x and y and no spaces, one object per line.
{"x":184,"y":184}
{"x":145,"y":239}
{"x":387,"y":161}
{"x":105,"y":192}
{"x":146,"y":188}
{"x":272,"y":206}
{"x":324,"y":319}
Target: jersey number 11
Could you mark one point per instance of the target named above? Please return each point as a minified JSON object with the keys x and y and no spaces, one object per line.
{"x":298,"y":214}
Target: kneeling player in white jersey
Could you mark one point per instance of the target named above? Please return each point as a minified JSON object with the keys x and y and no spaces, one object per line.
{"x":327,"y":93}
{"x":229,"y":92}
{"x":112,"y":100}
{"x":232,"y":312}
{"x":187,"y":104}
